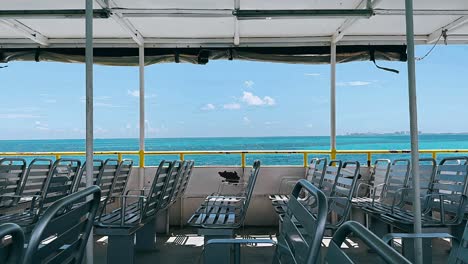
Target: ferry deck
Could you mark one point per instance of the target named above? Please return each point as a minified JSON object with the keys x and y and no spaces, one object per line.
{"x":328,"y":210}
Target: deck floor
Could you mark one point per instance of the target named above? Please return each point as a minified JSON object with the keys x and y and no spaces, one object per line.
{"x":184,"y":246}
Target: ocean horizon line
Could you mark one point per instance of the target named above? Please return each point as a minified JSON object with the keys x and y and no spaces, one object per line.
{"x":240,"y":137}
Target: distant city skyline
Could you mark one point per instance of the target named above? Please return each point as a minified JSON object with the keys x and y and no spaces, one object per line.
{"x":233,"y":99}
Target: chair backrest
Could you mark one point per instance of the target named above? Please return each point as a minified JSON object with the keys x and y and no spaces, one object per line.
{"x":106,"y":180}
{"x":12,"y":171}
{"x":449,"y":189}
{"x":336,"y":255}
{"x":36,"y":176}
{"x":61,"y":182}
{"x":65,"y":228}
{"x":157,"y":188}
{"x":183,"y":180}
{"x":316,"y":171}
{"x":427,"y":170}
{"x":460,"y":255}
{"x":303,"y":227}
{"x":397,"y":178}
{"x":123,"y":173}
{"x":343,"y":191}
{"x":248,"y":191}
{"x":11,"y":244}
{"x":379,"y":172}
{"x":174,"y":175}
{"x":97,"y":171}
{"x":331,"y":173}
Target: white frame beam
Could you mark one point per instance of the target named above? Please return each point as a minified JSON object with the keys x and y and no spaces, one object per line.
{"x":333,"y":99}
{"x":123,"y":22}
{"x":340,"y":32}
{"x":413,"y":114}
{"x":141,"y":55}
{"x":25,"y":31}
{"x":89,"y":115}
{"x":434,"y":36}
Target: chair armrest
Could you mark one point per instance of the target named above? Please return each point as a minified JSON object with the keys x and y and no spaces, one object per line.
{"x":389,"y":237}
{"x":369,"y":186}
{"x":238,"y":241}
{"x":460,"y":212}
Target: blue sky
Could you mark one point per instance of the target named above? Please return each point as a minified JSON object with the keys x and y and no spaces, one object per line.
{"x":233,"y":98}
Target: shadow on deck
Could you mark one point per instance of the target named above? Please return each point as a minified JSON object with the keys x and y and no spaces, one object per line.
{"x":184,"y":246}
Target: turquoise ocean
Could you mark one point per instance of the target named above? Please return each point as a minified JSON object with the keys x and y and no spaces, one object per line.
{"x":371,"y":142}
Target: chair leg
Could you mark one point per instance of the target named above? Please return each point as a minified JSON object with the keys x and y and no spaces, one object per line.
{"x":120,"y":249}
{"x":146,"y":236}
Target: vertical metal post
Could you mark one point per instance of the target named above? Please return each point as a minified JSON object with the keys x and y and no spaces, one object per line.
{"x":413,"y":128}
{"x":89,"y":112}
{"x":333,"y":100}
{"x":141,"y":171}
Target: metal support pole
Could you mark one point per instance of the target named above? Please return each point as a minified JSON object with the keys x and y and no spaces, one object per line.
{"x":89,"y":113}
{"x":333,"y":100}
{"x":141,"y":171}
{"x":413,"y":128}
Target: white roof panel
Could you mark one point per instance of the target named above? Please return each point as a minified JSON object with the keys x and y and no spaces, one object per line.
{"x":188,"y":23}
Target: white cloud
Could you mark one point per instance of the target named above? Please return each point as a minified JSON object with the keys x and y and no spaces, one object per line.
{"x":246,"y":120}
{"x":354,"y":83}
{"x":41,"y":126}
{"x":251,"y":99}
{"x":269,"y":123}
{"x":136,"y":93}
{"x":208,"y":107}
{"x":18,"y":116}
{"x":312,"y":74}
{"x":232,"y":106}
{"x":249,"y":83}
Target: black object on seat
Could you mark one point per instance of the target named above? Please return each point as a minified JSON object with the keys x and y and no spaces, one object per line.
{"x":61,"y":233}
{"x":11,"y":250}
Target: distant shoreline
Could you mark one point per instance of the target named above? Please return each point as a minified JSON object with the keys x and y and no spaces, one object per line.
{"x":396,"y":134}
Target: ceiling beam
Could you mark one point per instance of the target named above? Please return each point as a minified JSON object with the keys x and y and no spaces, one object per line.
{"x":434,"y":36}
{"x":25,"y":31}
{"x":123,"y":22}
{"x":340,"y":32}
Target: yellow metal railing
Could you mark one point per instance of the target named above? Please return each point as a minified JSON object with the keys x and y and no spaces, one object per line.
{"x":242,"y":153}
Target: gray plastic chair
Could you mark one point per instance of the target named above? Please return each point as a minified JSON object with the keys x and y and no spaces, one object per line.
{"x":301,"y":236}
{"x":11,"y":252}
{"x":65,"y":227}
{"x":336,"y":255}
{"x":459,"y":252}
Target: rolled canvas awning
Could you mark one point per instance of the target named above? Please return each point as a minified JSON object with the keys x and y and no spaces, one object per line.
{"x":129,"y":56}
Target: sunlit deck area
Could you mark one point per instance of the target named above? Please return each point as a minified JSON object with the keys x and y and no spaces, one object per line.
{"x":184,"y":246}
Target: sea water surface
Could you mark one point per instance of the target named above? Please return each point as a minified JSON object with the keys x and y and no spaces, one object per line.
{"x":368,"y":142}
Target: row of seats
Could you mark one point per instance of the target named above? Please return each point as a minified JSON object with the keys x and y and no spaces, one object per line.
{"x":338,"y":180}
{"x":27,"y":191}
{"x":60,"y":233}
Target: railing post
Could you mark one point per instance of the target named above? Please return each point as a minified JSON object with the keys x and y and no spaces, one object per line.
{"x":119,"y":157}
{"x":57,"y":156}
{"x":305,"y":159}
{"x":243,"y":159}
{"x":181,"y":156}
{"x":369,"y":159}
{"x":434,"y":155}
{"x":333,"y":154}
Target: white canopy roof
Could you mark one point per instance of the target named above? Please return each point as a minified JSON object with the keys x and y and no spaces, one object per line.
{"x":211,"y":23}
